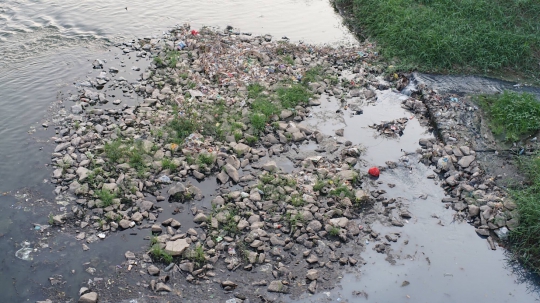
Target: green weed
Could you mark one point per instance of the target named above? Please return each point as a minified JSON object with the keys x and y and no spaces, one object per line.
{"x":105,"y":196}
{"x":167,"y":163}
{"x":265,"y":106}
{"x":334,"y":231}
{"x":182,"y":127}
{"x":512,"y":114}
{"x":160,"y":254}
{"x":288,"y":59}
{"x":258,"y":121}
{"x":113,"y":150}
{"x":254,"y":90}
{"x":292,"y":96}
{"x":205,"y":159}
{"x":197,"y":255}
{"x":312,"y":75}
{"x":342,"y":191}
{"x":525,"y":239}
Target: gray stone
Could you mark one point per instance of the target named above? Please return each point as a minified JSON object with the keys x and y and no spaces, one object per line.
{"x":232,"y":172}
{"x":298,"y":136}
{"x":482,"y":231}
{"x":146,"y":205}
{"x":223,"y":177}
{"x":466,"y":161}
{"x":509,"y":204}
{"x":241,"y":149}
{"x":112,"y":187}
{"x":187,"y":267}
{"x":312,"y":287}
{"x":125,"y":224}
{"x":76,"y":109}
{"x":163,"y":287}
{"x":137,"y":217}
{"x":285,"y":114}
{"x":243,"y":224}
{"x":270,"y":166}
{"x":348,"y":175}
{"x":465,"y":150}
{"x":255,"y":196}
{"x":153,"y":270}
{"x":62,"y":146}
{"x":341,"y":222}
{"x":90,"y":297}
{"x":277,"y":286}
{"x":177,"y":247}
{"x":340,"y":132}
{"x":129,"y":255}
{"x":312,"y":274}
{"x":200,"y":217}
{"x":314,"y":225}
{"x":312,"y":259}
{"x":156,"y":229}
{"x":474,"y":210}
{"x":233,"y":160}
{"x":198,"y":175}
{"x":176,"y":189}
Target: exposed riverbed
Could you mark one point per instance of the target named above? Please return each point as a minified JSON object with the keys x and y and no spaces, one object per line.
{"x":51,"y":47}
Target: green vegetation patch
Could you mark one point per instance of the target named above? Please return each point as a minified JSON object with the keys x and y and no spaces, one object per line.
{"x":182,"y":127}
{"x":105,"y":196}
{"x":512,"y":114}
{"x":454,"y":35}
{"x":525,"y":238}
{"x":159,"y":254}
{"x":293,"y":95}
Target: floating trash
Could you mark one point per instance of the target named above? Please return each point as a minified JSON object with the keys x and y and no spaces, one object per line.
{"x":25,"y":252}
{"x":393,"y":128}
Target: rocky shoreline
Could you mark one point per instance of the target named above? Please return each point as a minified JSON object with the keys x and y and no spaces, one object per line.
{"x":232,"y":107}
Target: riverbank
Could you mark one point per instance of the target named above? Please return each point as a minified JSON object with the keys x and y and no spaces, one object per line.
{"x":458,"y":37}
{"x":221,"y":163}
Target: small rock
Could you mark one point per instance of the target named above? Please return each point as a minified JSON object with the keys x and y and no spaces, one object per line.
{"x":90,"y":297}
{"x":200,"y":217}
{"x":163,"y":287}
{"x":312,"y":274}
{"x":277,"y":286}
{"x":466,"y":161}
{"x":153,"y":270}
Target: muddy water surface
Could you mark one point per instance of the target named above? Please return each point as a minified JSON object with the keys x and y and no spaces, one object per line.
{"x":435,"y":258}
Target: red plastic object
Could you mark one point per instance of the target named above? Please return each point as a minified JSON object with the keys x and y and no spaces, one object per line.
{"x":194,"y":32}
{"x":374,"y":171}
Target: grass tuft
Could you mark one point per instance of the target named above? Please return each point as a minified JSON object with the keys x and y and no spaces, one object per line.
{"x":105,"y":196}
{"x":294,"y":95}
{"x":160,"y":254}
{"x":525,"y":239}
{"x":512,"y":114}
{"x":182,"y":127}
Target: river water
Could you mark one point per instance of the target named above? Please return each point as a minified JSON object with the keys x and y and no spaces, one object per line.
{"x":46,"y":46}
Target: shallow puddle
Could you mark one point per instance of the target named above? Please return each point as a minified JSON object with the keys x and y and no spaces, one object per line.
{"x":378,"y":148}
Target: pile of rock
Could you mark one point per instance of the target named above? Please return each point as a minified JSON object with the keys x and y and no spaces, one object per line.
{"x":199,"y":119}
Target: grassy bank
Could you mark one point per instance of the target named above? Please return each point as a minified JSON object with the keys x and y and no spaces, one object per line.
{"x":525,"y":239}
{"x":492,"y":37}
{"x":516,"y":116}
